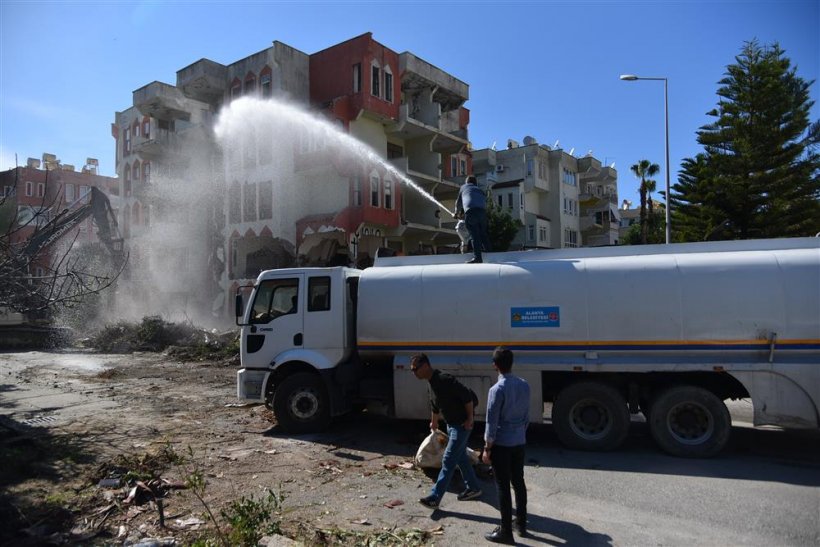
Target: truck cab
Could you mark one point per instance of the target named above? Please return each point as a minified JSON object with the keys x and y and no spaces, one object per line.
{"x":299,"y":333}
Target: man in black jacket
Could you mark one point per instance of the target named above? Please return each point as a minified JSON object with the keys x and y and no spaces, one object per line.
{"x":454,"y":401}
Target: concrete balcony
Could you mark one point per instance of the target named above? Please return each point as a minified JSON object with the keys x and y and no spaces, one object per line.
{"x":161,"y":101}
{"x":162,"y":143}
{"x":417,"y":124}
{"x":204,"y":80}
{"x":449,"y":91}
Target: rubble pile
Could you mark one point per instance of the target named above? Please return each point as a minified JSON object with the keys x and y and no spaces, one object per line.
{"x":184,"y":341}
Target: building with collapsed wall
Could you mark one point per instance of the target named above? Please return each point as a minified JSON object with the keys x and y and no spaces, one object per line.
{"x":201,"y":219}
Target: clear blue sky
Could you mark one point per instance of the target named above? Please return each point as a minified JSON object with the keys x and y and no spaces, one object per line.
{"x":540,"y":68}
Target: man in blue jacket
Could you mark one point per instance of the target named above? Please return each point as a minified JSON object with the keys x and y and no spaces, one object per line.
{"x":505,"y":437}
{"x":472,"y":205}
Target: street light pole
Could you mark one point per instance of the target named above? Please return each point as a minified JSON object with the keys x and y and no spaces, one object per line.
{"x":632,"y":78}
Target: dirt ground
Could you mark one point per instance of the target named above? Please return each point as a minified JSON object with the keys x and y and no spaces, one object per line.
{"x":148,"y":423}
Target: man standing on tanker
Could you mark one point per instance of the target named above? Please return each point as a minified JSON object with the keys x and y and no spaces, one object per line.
{"x":455,"y":402}
{"x":472,"y":205}
{"x":505,"y":437}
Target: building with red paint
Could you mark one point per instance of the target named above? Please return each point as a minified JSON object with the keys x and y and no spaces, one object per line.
{"x":216,"y":214}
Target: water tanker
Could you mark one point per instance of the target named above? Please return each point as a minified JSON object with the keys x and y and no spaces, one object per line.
{"x":600,"y":333}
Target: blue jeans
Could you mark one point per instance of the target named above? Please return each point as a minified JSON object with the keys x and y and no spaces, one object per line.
{"x":455,"y":455}
{"x":476,"y":221}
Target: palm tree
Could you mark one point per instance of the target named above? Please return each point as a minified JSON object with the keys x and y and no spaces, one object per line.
{"x":644,"y":170}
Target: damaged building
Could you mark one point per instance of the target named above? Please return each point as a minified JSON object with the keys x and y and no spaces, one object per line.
{"x":204,"y":217}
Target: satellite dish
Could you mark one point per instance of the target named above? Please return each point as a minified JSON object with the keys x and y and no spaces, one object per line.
{"x":612,"y":166}
{"x":557,"y":142}
{"x":493,"y":146}
{"x":571,"y":151}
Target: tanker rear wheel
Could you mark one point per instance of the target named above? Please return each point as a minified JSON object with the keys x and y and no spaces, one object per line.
{"x":690,"y":422}
{"x":301,"y":404}
{"x":590,"y":416}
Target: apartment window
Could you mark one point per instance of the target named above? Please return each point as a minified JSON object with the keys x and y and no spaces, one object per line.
{"x":542,"y":171}
{"x":265,"y":82}
{"x":69,"y":193}
{"x":146,"y":129}
{"x":136,"y":129}
{"x":236,"y":89}
{"x":388,"y":194}
{"x":249,"y":209}
{"x":500,"y":201}
{"x":136,"y":176}
{"x":570,"y":238}
{"x":530,"y":165}
{"x":531,"y":232}
{"x":265,"y":199}
{"x":126,"y":183}
{"x":375,"y":80}
{"x":235,"y":204}
{"x":84,"y":190}
{"x":542,"y":234}
{"x":250,"y":84}
{"x":509,"y":200}
{"x":41,"y":189}
{"x":127,"y":149}
{"x":453,"y":166}
{"x":463,"y":167}
{"x":357,"y":191}
{"x":357,"y":77}
{"x":388,"y":85}
{"x":374,"y":191}
{"x":569,"y":178}
{"x":146,"y":172}
{"x":29,"y":189}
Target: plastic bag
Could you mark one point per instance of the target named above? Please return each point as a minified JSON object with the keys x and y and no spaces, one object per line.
{"x":431,"y":451}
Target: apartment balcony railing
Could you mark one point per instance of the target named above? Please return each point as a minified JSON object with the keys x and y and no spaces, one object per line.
{"x":161,"y":101}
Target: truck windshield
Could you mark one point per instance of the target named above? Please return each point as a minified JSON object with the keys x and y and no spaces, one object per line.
{"x":275,"y":298}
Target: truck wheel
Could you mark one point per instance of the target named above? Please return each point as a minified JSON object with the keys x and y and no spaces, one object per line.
{"x":300,"y":404}
{"x":590,"y":416}
{"x":690,"y":422}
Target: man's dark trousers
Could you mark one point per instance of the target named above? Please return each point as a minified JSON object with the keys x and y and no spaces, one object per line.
{"x":508,"y":467}
{"x":477,"y":226}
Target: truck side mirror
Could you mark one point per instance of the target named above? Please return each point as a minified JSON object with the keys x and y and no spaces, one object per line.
{"x":240,"y":307}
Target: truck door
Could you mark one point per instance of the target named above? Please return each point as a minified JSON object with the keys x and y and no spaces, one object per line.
{"x":276,"y":322}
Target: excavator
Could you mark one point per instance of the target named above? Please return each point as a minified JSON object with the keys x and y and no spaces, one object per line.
{"x":27,"y":329}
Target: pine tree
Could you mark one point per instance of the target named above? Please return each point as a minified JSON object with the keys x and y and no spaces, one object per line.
{"x":759,"y":174}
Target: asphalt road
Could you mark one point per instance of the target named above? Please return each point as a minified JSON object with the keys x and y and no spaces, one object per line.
{"x":763,"y":490}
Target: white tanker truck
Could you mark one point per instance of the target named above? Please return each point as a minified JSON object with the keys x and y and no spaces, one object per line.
{"x":601,"y":333}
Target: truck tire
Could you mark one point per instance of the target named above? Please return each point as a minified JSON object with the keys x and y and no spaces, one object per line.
{"x":690,"y":422}
{"x":590,"y":416}
{"x":301,"y":404}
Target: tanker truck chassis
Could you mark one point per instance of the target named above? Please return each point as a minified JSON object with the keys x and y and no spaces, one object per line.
{"x":669,"y":331}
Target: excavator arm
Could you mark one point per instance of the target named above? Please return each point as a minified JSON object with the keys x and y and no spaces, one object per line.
{"x":99,"y":207}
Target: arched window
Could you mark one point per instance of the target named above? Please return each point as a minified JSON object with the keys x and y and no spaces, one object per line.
{"x":250,"y":83}
{"x":146,"y":215}
{"x":236,"y":88}
{"x":127,"y":180}
{"x":388,"y":84}
{"x":126,"y":222}
{"x":388,"y":194}
{"x":146,"y":172}
{"x":266,"y":82}
{"x":135,"y":213}
{"x":375,"y":79}
{"x":374,"y":190}
{"x":136,"y":170}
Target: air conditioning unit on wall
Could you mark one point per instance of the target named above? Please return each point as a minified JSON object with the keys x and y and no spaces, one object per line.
{"x":499,"y":168}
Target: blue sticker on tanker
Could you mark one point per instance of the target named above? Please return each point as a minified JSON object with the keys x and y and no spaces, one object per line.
{"x":535,"y":317}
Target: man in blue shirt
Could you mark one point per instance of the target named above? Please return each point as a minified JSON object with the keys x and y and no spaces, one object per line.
{"x":505,"y":437}
{"x":472,"y":205}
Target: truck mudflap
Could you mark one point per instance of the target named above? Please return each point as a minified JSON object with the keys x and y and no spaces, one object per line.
{"x":250,"y":384}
